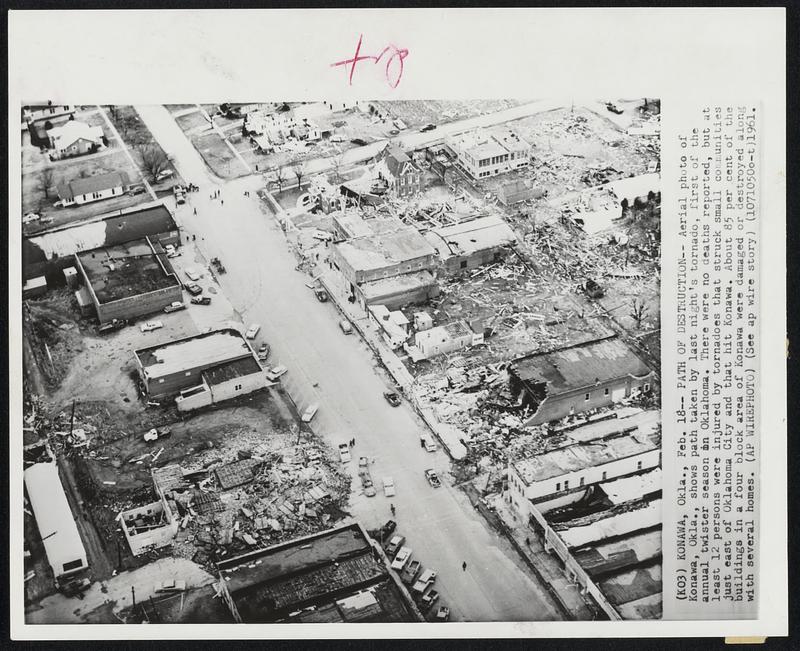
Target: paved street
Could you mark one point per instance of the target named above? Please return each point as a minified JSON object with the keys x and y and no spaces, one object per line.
{"x":339,"y":373}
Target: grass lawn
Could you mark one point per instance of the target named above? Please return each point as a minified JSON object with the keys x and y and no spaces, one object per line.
{"x":218,"y":156}
{"x":174,"y":108}
{"x":192,"y":123}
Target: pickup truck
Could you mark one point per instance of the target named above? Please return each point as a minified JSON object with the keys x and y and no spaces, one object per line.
{"x":344,"y":452}
{"x":114,"y":324}
{"x":410,"y":572}
{"x":309,"y":413}
{"x":394,"y":544}
{"x":425,"y":579}
{"x":429,"y":598}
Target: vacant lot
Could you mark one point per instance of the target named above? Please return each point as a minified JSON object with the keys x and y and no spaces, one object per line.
{"x":218,"y":156}
{"x":417,"y":113}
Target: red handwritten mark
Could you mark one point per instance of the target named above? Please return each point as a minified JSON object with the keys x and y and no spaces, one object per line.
{"x":397,"y":56}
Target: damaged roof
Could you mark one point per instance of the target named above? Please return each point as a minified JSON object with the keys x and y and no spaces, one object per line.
{"x":385,"y":250}
{"x":471,"y":236}
{"x":231,"y":370}
{"x":581,"y":366}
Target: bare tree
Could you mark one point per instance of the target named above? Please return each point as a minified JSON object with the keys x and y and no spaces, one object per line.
{"x":280,"y":177}
{"x":46,"y":180}
{"x":154,"y":160}
{"x":336,"y":165}
{"x":638,"y":311}
{"x":299,"y":169}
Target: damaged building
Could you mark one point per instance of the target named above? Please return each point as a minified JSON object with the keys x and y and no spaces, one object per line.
{"x":596,"y":502}
{"x":205,"y":368}
{"x":470,"y":244}
{"x":333,"y":576}
{"x":387,"y":262}
{"x":128,"y":280}
{"x":568,"y":381}
{"x":153,"y":525}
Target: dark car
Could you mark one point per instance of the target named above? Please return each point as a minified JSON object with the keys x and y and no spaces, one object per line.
{"x":392,"y":398}
{"x":321,"y":294}
{"x":111,"y":326}
{"x":194,"y":289}
{"x":428,"y":127}
{"x":359,"y":141}
{"x":613,"y":108}
{"x":137,"y":189}
{"x":201,"y":300}
{"x":387,"y":530}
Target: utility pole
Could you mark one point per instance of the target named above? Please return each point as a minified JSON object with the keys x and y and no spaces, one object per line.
{"x":133,"y":595}
{"x":72,"y":418}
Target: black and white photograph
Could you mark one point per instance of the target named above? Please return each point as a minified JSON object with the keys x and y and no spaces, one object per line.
{"x":367,"y":324}
{"x":389,"y":361}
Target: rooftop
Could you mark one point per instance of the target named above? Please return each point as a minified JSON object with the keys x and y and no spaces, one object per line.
{"x":231,"y":370}
{"x":63,"y":136}
{"x":207,"y":349}
{"x":616,"y":524}
{"x":89,"y":184}
{"x":101,"y":231}
{"x":635,"y":186}
{"x":579,"y":456}
{"x":581,"y":366}
{"x":385,"y":249}
{"x":471,"y":236}
{"x":375,"y":289}
{"x":337,"y":566}
{"x":125,"y":270}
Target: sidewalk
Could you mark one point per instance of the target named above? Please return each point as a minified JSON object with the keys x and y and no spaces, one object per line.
{"x":547,"y":566}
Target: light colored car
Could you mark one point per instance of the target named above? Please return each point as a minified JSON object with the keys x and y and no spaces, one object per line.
{"x":275,"y":372}
{"x":151,"y":325}
{"x":388,"y":486}
{"x":174,"y":307}
{"x":346,"y":326}
{"x":252,"y":331}
{"x":430,"y":446}
{"x":192,"y":274}
{"x":164,"y":174}
{"x":309,"y":413}
{"x":394,"y":544}
{"x":344,"y":452}
{"x":403,"y":556}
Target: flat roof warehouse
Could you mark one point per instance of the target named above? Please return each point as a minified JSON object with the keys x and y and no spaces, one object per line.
{"x":207,"y":349}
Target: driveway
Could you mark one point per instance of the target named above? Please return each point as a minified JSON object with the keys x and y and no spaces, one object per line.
{"x":340,"y":373}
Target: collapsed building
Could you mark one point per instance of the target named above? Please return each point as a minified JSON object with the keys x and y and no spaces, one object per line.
{"x":571,"y":380}
{"x":596,"y":501}
{"x":153,"y":525}
{"x":204,"y":369}
{"x":384,"y":261}
{"x":337,"y":575}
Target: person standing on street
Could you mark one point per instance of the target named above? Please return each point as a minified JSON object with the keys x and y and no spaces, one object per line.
{"x":464,"y":566}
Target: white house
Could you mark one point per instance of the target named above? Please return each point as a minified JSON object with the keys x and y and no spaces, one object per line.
{"x":74,"y":138}
{"x":443,"y":339}
{"x":93,"y":188}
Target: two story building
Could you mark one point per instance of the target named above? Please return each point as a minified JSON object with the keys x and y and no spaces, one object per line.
{"x":403,"y":176}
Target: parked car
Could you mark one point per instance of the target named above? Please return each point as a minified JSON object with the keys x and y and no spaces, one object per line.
{"x":192,"y":274}
{"x":387,"y":529}
{"x":392,"y":398}
{"x":393,"y":132}
{"x":443,"y":614}
{"x":613,"y":108}
{"x":394,"y":545}
{"x":433,"y":478}
{"x":151,"y":325}
{"x":194,"y":289}
{"x":430,"y":446}
{"x":410,"y":572}
{"x":346,"y":326}
{"x":263,"y":352}
{"x":275,"y":372}
{"x":174,"y":307}
{"x":359,"y":141}
{"x":137,"y":189}
{"x":252,"y":331}
{"x":428,"y":127}
{"x":201,"y":300}
{"x":388,"y":486}
{"x":425,"y":579}
{"x":321,"y":294}
{"x":402,"y":557}
{"x":111,"y":326}
{"x":164,"y":174}
{"x":180,"y":199}
{"x":429,"y":598}
{"x":310,"y":412}
{"x":344,"y":453}
{"x":31,"y":217}
{"x":173,"y":254}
